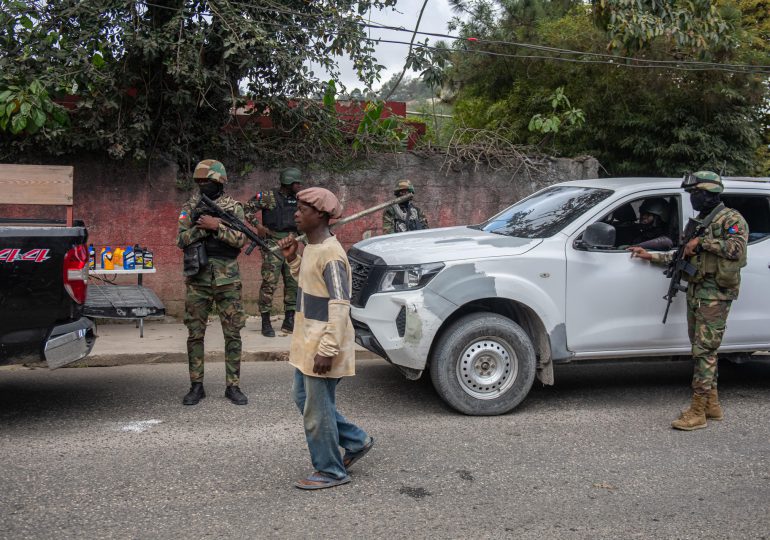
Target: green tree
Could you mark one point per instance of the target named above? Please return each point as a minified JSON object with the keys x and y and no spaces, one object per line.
{"x":638,"y":119}
{"x":161,"y":77}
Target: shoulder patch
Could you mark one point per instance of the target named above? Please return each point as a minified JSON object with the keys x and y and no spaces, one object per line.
{"x":734,"y":229}
{"x":183,"y":215}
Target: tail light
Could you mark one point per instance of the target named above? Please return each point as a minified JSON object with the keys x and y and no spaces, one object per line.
{"x":75,"y":273}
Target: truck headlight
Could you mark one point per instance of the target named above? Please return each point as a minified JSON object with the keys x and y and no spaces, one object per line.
{"x":405,"y":278}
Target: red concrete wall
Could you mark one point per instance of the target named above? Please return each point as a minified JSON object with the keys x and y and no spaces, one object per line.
{"x":122,"y":206}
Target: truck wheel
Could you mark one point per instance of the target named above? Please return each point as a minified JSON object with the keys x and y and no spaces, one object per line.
{"x":483,"y":364}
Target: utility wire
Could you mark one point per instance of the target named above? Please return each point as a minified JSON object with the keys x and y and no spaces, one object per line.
{"x":411,"y":43}
{"x":613,"y":60}
{"x":492,"y":42}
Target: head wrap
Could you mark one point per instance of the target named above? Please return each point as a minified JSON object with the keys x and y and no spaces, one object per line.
{"x":322,"y":200}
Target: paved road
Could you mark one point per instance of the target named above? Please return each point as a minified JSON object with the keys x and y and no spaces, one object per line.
{"x":110,"y":453}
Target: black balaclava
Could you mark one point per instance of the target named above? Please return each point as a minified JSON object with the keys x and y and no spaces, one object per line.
{"x":703,"y":201}
{"x":212,"y":190}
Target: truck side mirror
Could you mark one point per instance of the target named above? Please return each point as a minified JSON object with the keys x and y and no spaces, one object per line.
{"x":599,"y":236}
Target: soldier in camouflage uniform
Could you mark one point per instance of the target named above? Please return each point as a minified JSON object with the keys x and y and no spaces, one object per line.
{"x":217,"y":283}
{"x":718,"y":256}
{"x":277,"y":207}
{"x":405,"y":216}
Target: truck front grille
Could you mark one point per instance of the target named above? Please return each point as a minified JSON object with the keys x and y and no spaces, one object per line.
{"x":367,"y":272}
{"x":360,"y":271}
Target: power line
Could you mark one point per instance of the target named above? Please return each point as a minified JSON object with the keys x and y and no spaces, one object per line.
{"x":501,"y":42}
{"x":611,"y":60}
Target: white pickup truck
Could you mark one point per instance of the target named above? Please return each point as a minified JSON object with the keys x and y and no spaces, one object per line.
{"x":487,"y":308}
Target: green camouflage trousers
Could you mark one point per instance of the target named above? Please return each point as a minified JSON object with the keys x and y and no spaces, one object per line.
{"x":227,"y":298}
{"x":706,"y":322}
{"x":272,"y":269}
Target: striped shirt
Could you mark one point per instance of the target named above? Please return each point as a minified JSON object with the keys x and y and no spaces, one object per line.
{"x":322,"y":322}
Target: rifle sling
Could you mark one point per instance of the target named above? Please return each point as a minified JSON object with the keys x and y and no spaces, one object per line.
{"x":710,"y":217}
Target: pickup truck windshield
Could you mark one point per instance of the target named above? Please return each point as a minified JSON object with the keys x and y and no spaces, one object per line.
{"x":545,"y":213}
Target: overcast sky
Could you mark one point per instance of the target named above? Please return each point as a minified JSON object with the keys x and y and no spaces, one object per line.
{"x":435,"y":18}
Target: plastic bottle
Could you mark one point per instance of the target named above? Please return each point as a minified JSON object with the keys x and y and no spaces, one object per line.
{"x":147,"y":261}
{"x":128,"y":259}
{"x":91,"y":257}
{"x":117,"y":257}
{"x":138,"y":256}
{"x":108,"y":262}
{"x":101,"y":256}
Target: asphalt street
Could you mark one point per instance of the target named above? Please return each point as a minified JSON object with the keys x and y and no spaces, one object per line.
{"x":112,"y":453}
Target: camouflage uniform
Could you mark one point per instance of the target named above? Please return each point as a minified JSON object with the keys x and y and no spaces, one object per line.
{"x":403,"y":217}
{"x":272,"y":267}
{"x":720,"y":256}
{"x":218,"y":283}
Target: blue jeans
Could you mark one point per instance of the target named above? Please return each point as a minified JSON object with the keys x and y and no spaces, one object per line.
{"x":325,"y":428}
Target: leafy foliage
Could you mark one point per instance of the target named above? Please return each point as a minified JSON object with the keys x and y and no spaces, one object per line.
{"x":688,"y":25}
{"x":388,"y":132}
{"x":28,"y":110}
{"x":638,"y":119}
{"x":162,"y":77}
{"x":562,"y":114}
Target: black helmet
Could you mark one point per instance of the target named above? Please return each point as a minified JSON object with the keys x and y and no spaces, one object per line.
{"x":656,"y":207}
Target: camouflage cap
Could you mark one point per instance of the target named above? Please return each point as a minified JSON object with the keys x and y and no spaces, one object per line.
{"x":706,"y":180}
{"x":291,"y":175}
{"x":402,"y":185}
{"x":210,"y":169}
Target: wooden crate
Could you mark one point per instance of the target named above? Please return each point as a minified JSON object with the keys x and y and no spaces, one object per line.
{"x":49,"y":185}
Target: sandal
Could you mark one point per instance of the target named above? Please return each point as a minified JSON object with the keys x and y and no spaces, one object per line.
{"x":351,"y":457}
{"x":319,"y":480}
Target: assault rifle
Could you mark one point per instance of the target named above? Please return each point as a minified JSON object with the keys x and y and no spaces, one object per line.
{"x":679,"y":265}
{"x":208,"y":207}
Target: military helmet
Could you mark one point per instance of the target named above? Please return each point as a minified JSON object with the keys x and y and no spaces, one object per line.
{"x":402,"y":185}
{"x":656,"y":207}
{"x":210,"y":169}
{"x":706,"y":180}
{"x":291,"y":175}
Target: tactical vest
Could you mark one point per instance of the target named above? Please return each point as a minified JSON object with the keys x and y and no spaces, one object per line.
{"x":215,"y":248}
{"x":406,"y":220}
{"x":726,"y":272}
{"x":281,"y":218}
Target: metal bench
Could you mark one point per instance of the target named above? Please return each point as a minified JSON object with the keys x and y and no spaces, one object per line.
{"x":111,"y":301}
{"x":123,"y":302}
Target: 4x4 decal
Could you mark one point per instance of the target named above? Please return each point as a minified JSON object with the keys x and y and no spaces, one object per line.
{"x":8,"y":255}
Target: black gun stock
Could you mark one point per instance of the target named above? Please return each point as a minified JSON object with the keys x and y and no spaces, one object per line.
{"x":207,"y":206}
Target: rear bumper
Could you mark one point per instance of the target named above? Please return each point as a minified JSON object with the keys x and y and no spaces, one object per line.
{"x":69,"y":343}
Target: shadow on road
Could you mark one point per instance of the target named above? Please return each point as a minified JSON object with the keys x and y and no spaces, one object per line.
{"x":43,"y":395}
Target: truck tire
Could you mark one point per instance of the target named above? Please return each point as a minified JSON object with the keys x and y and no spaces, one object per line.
{"x":483,"y":364}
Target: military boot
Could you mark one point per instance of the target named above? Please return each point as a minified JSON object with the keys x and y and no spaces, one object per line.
{"x":234,"y":394}
{"x":288,"y":322}
{"x":195,"y":394}
{"x":267,"y":328}
{"x":713,"y":409}
{"x":694,"y":417}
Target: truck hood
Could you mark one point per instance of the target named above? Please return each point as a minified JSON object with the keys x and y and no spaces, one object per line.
{"x":441,"y":245}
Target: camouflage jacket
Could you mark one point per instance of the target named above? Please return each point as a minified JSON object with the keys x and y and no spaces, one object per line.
{"x":721,"y":255}
{"x":263,"y":200}
{"x":396,"y":219}
{"x":222,"y":271}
